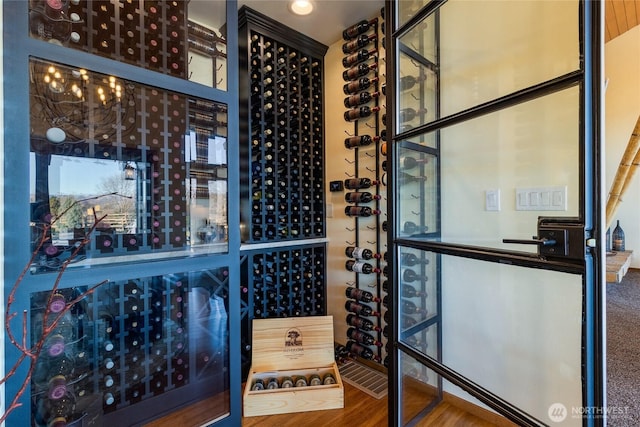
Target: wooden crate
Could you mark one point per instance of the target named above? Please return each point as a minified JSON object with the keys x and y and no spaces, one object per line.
{"x":292,"y":346}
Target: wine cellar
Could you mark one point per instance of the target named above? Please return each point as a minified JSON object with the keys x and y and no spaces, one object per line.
{"x":217,"y":217}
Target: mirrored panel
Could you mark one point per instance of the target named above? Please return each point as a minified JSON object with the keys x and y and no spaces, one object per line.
{"x":120,"y":169}
{"x":185,"y":39}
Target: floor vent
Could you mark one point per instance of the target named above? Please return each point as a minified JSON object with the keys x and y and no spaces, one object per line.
{"x":369,"y":380}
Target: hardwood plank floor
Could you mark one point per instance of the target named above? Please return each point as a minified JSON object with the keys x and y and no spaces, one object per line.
{"x":360,"y":409}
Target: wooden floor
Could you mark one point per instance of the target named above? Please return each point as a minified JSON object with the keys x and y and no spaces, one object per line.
{"x":360,"y":409}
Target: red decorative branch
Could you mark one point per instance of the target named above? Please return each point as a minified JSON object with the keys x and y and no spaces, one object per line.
{"x":32,"y":353}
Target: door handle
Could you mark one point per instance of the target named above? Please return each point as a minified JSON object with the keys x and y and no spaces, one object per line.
{"x":557,"y":237}
{"x":534,"y":241}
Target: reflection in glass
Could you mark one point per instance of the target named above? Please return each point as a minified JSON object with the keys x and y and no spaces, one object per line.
{"x":180,"y":38}
{"x":149,"y":166}
{"x":418,"y":388}
{"x":160,"y":337}
{"x":417,"y":178}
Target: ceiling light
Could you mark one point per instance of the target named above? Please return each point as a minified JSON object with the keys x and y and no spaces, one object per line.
{"x":301,"y":7}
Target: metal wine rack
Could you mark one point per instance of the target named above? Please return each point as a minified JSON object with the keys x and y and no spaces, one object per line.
{"x":157,"y":340}
{"x":368,"y":232}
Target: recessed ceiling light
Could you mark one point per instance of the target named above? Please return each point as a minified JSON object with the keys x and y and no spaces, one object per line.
{"x":301,"y":7}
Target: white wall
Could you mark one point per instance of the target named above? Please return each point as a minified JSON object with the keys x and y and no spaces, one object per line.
{"x":622,"y":98}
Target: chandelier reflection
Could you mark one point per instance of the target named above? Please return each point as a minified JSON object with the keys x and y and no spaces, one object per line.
{"x":76,"y":105}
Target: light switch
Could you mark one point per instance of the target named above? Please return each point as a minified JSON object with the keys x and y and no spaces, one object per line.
{"x":541,"y":199}
{"x":492,"y":200}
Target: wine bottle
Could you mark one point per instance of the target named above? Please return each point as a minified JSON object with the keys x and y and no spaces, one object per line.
{"x":361,"y":323}
{"x":361,"y":197}
{"x":408,"y":259}
{"x":617,"y":238}
{"x":408,"y":114}
{"x":409,"y":307}
{"x":406,"y":290}
{"x":408,"y":275}
{"x":357,"y":57}
{"x":363,"y":211}
{"x":360,"y":309}
{"x":362,"y":337}
{"x":358,"y":70}
{"x":357,"y":43}
{"x":359,"y":141}
{"x":360,"y":295}
{"x":408,"y":162}
{"x":383,"y":148}
{"x":359,"y":183}
{"x":358,"y":99}
{"x":359,"y":113}
{"x":406,"y":321}
{"x":55,"y":412}
{"x":359,"y":350}
{"x":410,"y":227}
{"x":360,"y":267}
{"x":407,"y":82}
{"x":360,"y":253}
{"x":358,"y":85}
{"x":355,"y":30}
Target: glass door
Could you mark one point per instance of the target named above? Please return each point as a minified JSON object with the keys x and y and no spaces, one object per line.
{"x":496,"y":222}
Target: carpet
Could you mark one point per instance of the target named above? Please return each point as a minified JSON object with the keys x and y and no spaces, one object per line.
{"x":623,"y":351}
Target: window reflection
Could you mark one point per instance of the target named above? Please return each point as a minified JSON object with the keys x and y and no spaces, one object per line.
{"x":180,"y":38}
{"x":154,"y":162}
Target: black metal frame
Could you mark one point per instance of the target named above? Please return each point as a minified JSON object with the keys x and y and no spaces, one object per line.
{"x":589,"y":78}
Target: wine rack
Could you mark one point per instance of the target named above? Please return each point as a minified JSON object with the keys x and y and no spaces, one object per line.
{"x":283,"y":141}
{"x":153,"y":34}
{"x":282,"y":201}
{"x":365,"y":194}
{"x":157,"y":340}
{"x":286,"y":282}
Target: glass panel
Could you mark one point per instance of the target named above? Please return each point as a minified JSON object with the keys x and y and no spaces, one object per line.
{"x":484,"y":59}
{"x":522,"y":163}
{"x":513,"y":330}
{"x":416,"y":87}
{"x":162,"y":337}
{"x":417,"y":196}
{"x":418,"y":305}
{"x":179,"y":38}
{"x":147,"y":167}
{"x":418,"y":388}
{"x":407,"y":9}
